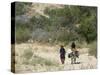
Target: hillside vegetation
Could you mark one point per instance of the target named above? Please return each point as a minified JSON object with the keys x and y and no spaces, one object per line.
{"x":62,"y":21}
{"x":42,"y":28}
{"x":54,"y":24}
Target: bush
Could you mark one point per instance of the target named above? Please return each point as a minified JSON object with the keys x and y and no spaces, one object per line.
{"x":22,"y":35}
{"x":28,"y":54}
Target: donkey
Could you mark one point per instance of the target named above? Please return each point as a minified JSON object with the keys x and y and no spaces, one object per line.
{"x":73,"y":55}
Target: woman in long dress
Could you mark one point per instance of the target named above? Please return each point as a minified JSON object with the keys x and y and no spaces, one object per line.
{"x":62,"y":54}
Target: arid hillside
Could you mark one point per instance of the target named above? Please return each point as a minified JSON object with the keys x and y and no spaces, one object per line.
{"x":40,"y":30}
{"x":41,"y":58}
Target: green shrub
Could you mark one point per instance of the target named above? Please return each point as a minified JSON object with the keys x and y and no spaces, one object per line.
{"x":28,"y":54}
{"x":22,"y":34}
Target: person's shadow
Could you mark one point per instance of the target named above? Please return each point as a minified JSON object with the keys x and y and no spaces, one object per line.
{"x":77,"y":63}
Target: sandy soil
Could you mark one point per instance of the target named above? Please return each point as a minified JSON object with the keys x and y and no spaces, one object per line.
{"x":46,"y":58}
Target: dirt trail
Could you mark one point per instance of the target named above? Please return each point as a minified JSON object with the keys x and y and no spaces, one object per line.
{"x":85,"y":61}
{"x":46,"y":58}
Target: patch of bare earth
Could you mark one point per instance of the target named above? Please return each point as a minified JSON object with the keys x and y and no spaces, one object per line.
{"x":41,"y":58}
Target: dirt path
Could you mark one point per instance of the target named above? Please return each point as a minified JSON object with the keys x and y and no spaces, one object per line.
{"x":85,"y":60}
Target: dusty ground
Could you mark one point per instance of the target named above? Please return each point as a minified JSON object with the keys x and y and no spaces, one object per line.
{"x":40,"y":58}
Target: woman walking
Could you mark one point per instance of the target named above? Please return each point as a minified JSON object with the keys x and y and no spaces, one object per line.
{"x":74,"y":53}
{"x":62,"y":54}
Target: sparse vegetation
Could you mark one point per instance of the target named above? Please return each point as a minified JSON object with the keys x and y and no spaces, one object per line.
{"x":93,"y":49}
{"x":47,"y":59}
{"x":28,"y":54}
{"x":42,"y":61}
{"x":68,"y":23}
{"x":41,"y":29}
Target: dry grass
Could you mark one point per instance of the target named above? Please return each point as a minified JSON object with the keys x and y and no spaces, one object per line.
{"x":41,"y":58}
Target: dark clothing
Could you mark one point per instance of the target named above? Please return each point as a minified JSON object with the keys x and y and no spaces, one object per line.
{"x":77,"y":53}
{"x":62,"y":56}
{"x":62,"y":60}
{"x":73,"y":45}
{"x":62,"y":53}
{"x":74,"y":53}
